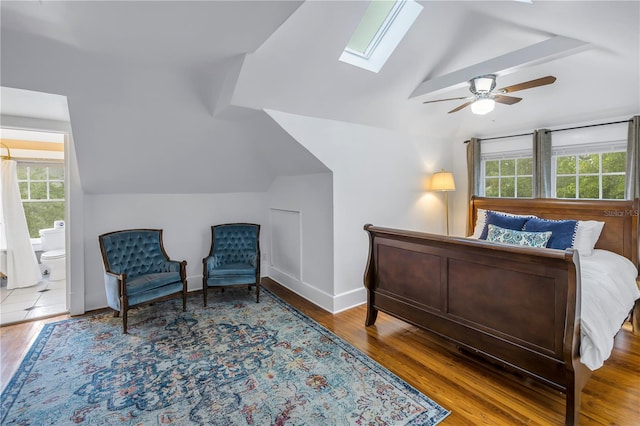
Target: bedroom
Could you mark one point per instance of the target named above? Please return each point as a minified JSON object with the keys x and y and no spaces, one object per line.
{"x":154,"y":126}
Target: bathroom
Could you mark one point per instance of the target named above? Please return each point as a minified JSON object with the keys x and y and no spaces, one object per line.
{"x":37,"y":258}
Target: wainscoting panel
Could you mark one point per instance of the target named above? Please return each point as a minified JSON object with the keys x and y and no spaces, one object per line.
{"x":286,"y":242}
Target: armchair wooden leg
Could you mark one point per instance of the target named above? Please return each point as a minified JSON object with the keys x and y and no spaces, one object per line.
{"x":258,"y":287}
{"x":205,"y":290}
{"x":124,"y":321}
{"x":116,"y":314}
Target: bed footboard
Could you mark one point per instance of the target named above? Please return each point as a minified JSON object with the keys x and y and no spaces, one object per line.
{"x":514,"y":306}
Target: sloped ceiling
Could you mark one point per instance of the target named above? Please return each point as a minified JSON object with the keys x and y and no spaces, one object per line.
{"x":601,"y":80}
{"x":167,"y":97}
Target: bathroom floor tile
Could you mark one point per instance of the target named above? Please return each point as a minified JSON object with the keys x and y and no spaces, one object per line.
{"x":40,"y":311}
{"x":32,"y":289}
{"x":4,"y":293}
{"x":44,"y":299}
{"x":21,"y":297}
{"x":15,"y":307}
{"x":57,"y":284}
{"x":52,"y":297}
{"x":9,"y":317}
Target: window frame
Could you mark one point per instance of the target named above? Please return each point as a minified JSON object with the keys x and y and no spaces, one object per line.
{"x":47,"y":180}
{"x":578,"y":150}
{"x":505,"y":155}
{"x":387,"y":38}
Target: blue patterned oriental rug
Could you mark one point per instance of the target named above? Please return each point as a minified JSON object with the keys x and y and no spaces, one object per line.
{"x":234,"y":363}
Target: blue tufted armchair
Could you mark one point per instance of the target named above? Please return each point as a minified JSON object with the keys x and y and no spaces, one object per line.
{"x":137,"y":270}
{"x":234,"y":258}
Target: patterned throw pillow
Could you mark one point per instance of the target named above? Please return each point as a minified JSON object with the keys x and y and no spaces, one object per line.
{"x":503,"y":220}
{"x":497,"y":234}
{"x":564,"y":231}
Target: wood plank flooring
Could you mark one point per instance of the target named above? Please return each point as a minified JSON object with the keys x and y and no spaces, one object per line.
{"x":477,"y":394}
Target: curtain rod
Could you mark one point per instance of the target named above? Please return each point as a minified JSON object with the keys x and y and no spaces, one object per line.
{"x":8,"y":156}
{"x":556,"y":130}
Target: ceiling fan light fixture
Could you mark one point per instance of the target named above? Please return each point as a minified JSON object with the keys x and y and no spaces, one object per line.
{"x":483,"y":84}
{"x":483,"y":106}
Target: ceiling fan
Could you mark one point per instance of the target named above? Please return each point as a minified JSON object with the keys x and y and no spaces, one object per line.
{"x":485,"y":95}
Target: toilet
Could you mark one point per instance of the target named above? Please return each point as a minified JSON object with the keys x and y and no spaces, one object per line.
{"x":53,"y":256}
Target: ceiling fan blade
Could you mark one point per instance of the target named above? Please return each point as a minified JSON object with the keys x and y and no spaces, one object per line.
{"x":509,"y":100}
{"x":528,"y":84}
{"x":448,"y":99}
{"x":460,"y":107}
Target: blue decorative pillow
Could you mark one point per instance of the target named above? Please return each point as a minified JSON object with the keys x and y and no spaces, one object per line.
{"x":497,"y":234}
{"x":503,"y":220}
{"x":564,"y":231}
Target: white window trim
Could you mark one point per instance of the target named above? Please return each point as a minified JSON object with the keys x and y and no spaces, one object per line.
{"x":505,"y":155}
{"x":581,"y":149}
{"x":47,"y":181}
{"x":391,"y":32}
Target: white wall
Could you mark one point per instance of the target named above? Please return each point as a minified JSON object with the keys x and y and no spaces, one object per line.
{"x":305,"y":202}
{"x":378,"y":178}
{"x":185,"y":218}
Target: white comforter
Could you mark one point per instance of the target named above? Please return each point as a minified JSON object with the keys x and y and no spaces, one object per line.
{"x":608,"y":293}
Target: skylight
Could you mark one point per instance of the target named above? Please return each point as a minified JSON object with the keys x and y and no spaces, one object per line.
{"x":382,"y":27}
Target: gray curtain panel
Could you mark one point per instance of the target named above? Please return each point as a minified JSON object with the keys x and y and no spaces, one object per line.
{"x":473,"y":172}
{"x":542,"y":163}
{"x":632,"y":186}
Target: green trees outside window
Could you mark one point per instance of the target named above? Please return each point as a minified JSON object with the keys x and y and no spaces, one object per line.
{"x":42,"y":192}
{"x":42,"y":215}
{"x":599,"y":175}
{"x":591,"y":176}
{"x":511,"y":178}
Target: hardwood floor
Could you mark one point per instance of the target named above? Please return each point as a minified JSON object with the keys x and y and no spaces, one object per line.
{"x":476,"y":394}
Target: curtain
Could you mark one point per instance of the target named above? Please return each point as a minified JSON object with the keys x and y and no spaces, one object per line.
{"x":631,"y":185}
{"x":542,"y":163}
{"x":22,"y":265}
{"x":473,"y":173}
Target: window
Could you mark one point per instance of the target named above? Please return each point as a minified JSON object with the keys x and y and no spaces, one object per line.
{"x":508,"y":177}
{"x":590,"y":175}
{"x":381,"y":29}
{"x":586,"y":162}
{"x":42,"y":192}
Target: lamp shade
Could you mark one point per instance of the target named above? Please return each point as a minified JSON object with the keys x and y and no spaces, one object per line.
{"x":443,"y":181}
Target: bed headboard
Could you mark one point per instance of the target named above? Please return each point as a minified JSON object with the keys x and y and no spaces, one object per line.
{"x":620,"y":232}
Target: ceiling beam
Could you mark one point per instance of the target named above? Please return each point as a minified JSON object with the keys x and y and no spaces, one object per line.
{"x":545,"y":51}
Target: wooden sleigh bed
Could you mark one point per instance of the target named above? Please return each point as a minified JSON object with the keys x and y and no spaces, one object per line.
{"x":517,"y":307}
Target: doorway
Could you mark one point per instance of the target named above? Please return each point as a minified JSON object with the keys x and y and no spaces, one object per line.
{"x":39,"y":162}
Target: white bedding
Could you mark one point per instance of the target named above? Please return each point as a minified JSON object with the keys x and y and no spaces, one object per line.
{"x":608,"y":293}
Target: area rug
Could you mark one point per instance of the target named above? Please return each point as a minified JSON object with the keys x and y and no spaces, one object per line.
{"x":235,"y":362}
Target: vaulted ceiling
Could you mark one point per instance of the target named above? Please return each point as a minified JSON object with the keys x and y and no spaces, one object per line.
{"x":174,"y":93}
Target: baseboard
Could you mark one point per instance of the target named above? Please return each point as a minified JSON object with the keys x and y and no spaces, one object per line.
{"x":329,"y":303}
{"x":324,"y":300}
{"x":349,"y":299}
{"x":312,"y":294}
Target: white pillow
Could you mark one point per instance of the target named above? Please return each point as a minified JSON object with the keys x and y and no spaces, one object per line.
{"x":481,"y":219}
{"x":587,"y":234}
